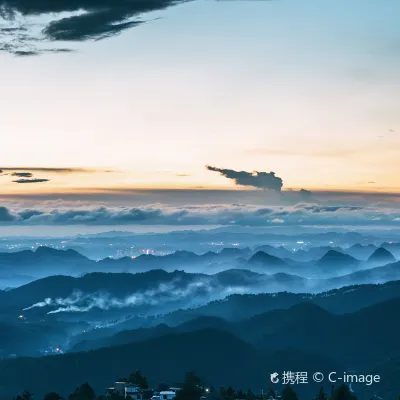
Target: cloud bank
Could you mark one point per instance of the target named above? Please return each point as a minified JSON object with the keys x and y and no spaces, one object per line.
{"x":302,"y":214}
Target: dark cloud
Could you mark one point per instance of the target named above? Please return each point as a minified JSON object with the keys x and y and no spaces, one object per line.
{"x":27,"y":214}
{"x":91,"y":19}
{"x":318,"y":209}
{"x":13,"y":29}
{"x":22,"y":174}
{"x":96,"y":25}
{"x":306,"y":194}
{"x":256,"y":179}
{"x":27,"y":173}
{"x":14,"y":49}
{"x":264,"y":211}
{"x":25,"y":53}
{"x":31,"y":180}
{"x":57,"y":50}
{"x":5,"y":215}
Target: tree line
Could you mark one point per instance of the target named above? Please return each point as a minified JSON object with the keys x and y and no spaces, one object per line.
{"x":193,"y":388}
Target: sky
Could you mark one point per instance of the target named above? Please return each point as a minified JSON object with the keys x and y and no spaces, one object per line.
{"x":307,"y":92}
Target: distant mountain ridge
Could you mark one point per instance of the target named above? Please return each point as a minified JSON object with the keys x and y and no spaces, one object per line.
{"x":336,"y":259}
{"x":381,"y":256}
{"x":273,"y":330}
{"x":44,"y":261}
{"x":244,"y":306}
{"x":47,"y":261}
{"x":99,"y":291}
{"x":265,"y":259}
{"x":239,"y":306}
{"x":116,"y":291}
{"x":361,"y":252}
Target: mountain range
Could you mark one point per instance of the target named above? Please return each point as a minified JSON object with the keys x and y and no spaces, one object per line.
{"x":217,"y":356}
{"x":47,"y":261}
{"x":349,"y":339}
{"x":159,"y":291}
{"x":302,"y":338}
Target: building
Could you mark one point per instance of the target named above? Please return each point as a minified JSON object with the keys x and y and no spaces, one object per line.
{"x":167,"y":395}
{"x":133,"y":392}
{"x":126,"y":390}
{"x":174,"y":389}
{"x":119,"y":387}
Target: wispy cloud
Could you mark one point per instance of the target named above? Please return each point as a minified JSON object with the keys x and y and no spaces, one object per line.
{"x":322,"y":153}
{"x":67,"y":170}
{"x":22,"y":174}
{"x":27,"y":174}
{"x":34,"y":180}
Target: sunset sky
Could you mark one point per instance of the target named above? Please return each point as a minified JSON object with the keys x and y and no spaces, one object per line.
{"x":307,"y":89}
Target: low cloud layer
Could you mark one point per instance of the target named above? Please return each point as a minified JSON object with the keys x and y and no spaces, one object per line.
{"x":302,"y":214}
{"x":256,"y":179}
{"x":197,"y":292}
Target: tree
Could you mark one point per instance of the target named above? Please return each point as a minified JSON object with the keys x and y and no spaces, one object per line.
{"x":289,"y":394}
{"x":24,"y":396}
{"x":83,"y":392}
{"x":222,"y":393}
{"x":116,"y":396}
{"x":230,"y":393}
{"x":250,"y":395}
{"x":227,"y":394}
{"x":52,"y":396}
{"x":137,"y":378}
{"x":191,"y":389}
{"x":321,"y":395}
{"x":27,"y":395}
{"x":343,"y":393}
{"x":162,"y":386}
{"x":271,"y":394}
